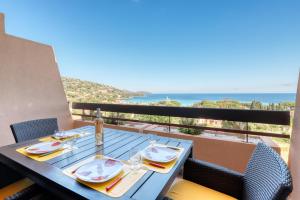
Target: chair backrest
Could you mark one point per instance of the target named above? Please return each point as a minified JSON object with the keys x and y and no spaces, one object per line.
{"x":267,"y":176}
{"x":33,"y":129}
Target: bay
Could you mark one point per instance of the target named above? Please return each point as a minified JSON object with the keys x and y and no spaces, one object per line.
{"x":187,"y":99}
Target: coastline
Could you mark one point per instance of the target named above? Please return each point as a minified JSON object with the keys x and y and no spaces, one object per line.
{"x":188,"y":99}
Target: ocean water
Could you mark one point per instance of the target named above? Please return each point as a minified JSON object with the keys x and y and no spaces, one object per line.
{"x":189,"y":99}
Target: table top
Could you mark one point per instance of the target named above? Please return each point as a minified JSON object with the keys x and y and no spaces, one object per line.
{"x":117,"y":144}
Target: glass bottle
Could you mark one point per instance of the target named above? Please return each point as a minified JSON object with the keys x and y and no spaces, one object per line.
{"x":99,"y":128}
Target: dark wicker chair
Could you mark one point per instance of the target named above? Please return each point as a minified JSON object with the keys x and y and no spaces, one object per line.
{"x":266,"y":178}
{"x":33,"y":129}
{"x":22,"y":132}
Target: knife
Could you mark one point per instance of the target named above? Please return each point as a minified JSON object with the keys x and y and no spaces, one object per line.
{"x":155,"y":164}
{"x":174,"y":148}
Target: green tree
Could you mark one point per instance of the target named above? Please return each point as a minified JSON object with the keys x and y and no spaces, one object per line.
{"x":205,"y":104}
{"x":256,"y":105}
{"x":167,"y":103}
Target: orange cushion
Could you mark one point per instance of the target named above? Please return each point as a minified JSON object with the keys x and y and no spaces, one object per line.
{"x":14,"y":187}
{"x":187,"y":190}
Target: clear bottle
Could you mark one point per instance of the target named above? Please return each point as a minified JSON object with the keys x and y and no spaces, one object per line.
{"x":99,"y":128}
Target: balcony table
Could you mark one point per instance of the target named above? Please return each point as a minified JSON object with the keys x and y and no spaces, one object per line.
{"x":117,"y":143}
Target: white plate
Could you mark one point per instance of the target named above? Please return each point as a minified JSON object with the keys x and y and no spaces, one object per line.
{"x":44,"y":147}
{"x":65,"y":134}
{"x":99,"y":170}
{"x":159,"y":154}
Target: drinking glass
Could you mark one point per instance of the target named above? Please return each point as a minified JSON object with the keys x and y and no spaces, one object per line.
{"x":152,"y":139}
{"x":66,"y":143}
{"x":72,"y":142}
{"x":56,"y":132}
{"x":135,"y":159}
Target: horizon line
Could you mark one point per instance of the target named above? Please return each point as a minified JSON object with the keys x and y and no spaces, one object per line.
{"x":219,"y":92}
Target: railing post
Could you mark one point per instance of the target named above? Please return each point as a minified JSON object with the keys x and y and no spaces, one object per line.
{"x":82,"y":117}
{"x":118,"y":118}
{"x":90,"y":113}
{"x":169,"y":124}
{"x":71,"y":107}
{"x":247,"y":136}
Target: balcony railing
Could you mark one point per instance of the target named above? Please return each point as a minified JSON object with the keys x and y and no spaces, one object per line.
{"x":235,"y":115}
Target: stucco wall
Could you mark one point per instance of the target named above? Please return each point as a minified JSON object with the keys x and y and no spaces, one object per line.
{"x":294,"y":160}
{"x":1,"y":23}
{"x":30,"y":84}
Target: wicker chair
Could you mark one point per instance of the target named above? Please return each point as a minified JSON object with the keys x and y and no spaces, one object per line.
{"x":33,"y":129}
{"x":266,"y":178}
{"x":14,"y":186}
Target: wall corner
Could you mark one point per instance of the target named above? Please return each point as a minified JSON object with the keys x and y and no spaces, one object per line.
{"x":2,"y":25}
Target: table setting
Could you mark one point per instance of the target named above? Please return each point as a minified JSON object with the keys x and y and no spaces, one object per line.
{"x":102,"y":173}
{"x":49,"y":147}
{"x":160,"y":158}
{"x":130,"y":165}
{"x":44,"y":151}
{"x":110,"y":176}
{"x":66,"y":135}
{"x":115,"y":177}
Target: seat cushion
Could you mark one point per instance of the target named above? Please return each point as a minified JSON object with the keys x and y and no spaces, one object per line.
{"x":187,"y":190}
{"x":14,"y":187}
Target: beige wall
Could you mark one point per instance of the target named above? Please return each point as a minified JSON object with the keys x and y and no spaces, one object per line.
{"x":30,"y":84}
{"x":294,"y":156}
{"x":1,"y":23}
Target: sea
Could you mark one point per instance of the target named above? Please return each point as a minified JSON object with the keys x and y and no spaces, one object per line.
{"x":190,"y":99}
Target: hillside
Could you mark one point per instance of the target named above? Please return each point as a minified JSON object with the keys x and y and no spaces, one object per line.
{"x":85,"y":91}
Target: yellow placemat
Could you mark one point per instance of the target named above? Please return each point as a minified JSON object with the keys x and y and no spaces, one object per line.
{"x":119,"y":189}
{"x":50,"y":138}
{"x":168,"y":166}
{"x":45,"y":157}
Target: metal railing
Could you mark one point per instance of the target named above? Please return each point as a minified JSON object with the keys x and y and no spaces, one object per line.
{"x":235,"y":115}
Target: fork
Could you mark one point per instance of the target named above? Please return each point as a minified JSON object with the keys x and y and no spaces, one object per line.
{"x":46,"y":154}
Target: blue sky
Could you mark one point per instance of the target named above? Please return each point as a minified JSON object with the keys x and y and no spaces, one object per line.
{"x":168,"y":45}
